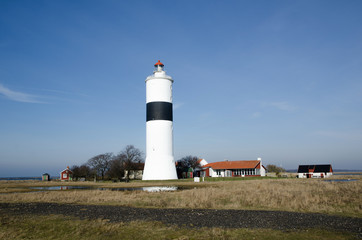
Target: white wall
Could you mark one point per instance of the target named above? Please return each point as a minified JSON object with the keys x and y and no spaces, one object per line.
{"x":262,"y":170}
{"x":203,"y":162}
{"x":314,"y":175}
{"x":212,"y":173}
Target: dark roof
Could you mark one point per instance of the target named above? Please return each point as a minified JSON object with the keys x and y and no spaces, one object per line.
{"x":317,"y":168}
{"x":138,"y":166}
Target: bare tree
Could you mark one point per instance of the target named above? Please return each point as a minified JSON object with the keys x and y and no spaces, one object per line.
{"x":189,"y":161}
{"x":85,"y":171}
{"x":116,"y":168}
{"x":185,"y":163}
{"x":130,"y":156}
{"x":76,"y":172}
{"x":82,"y":171}
{"x":100,"y":163}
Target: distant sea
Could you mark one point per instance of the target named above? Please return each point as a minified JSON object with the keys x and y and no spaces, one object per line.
{"x":21,"y":178}
{"x":24,"y":178}
{"x":335,"y":171}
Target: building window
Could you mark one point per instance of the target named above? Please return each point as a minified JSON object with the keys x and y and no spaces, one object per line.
{"x":237,"y":172}
{"x":218,"y":172}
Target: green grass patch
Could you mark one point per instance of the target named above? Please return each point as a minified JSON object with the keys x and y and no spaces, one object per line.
{"x":60,"y":227}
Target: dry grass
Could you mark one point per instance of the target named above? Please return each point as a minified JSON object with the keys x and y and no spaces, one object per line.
{"x":60,"y":227}
{"x":302,"y":195}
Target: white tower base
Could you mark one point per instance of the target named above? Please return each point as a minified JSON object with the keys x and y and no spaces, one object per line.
{"x":162,"y":168}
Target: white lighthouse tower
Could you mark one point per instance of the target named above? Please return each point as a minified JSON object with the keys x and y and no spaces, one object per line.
{"x":160,"y":163}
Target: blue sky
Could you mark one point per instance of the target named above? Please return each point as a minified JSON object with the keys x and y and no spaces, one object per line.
{"x":280,"y":80}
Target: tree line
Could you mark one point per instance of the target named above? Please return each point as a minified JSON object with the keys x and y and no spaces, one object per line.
{"x":110,"y":166}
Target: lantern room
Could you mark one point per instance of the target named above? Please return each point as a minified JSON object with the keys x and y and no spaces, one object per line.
{"x":159,"y":66}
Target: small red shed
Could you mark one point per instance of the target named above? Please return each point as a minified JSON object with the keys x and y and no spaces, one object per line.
{"x":66,"y":175}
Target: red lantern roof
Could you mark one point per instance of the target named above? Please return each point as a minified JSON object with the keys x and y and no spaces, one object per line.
{"x":159,"y":63}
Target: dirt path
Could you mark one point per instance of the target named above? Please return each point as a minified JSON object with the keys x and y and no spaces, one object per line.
{"x":193,"y":217}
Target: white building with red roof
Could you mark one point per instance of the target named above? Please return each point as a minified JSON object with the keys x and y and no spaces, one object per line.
{"x":245,"y":168}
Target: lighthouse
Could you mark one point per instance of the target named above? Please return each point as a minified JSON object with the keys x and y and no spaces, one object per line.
{"x":160,"y":163}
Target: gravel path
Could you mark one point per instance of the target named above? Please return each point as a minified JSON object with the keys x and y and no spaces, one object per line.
{"x":193,"y":217}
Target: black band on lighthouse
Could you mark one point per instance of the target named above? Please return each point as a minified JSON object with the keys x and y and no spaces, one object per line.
{"x":159,"y":111}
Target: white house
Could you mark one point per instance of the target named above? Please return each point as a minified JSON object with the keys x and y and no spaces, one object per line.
{"x":315,"y":171}
{"x":245,"y":168}
{"x":136,"y":171}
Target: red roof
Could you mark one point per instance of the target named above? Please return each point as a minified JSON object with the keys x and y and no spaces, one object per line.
{"x":234,"y":164}
{"x":159,"y":63}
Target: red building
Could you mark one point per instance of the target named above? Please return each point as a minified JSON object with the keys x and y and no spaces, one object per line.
{"x":66,"y":175}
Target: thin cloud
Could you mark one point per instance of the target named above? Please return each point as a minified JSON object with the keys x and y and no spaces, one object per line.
{"x":177,"y":105}
{"x":64,"y":92}
{"x":256,"y":115}
{"x":284,"y":106}
{"x":18,"y":96}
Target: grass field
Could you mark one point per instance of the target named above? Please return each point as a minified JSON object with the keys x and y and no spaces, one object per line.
{"x":301,"y":195}
{"x":60,"y":227}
